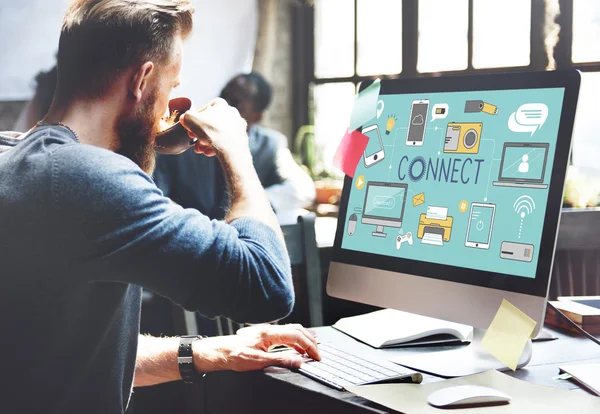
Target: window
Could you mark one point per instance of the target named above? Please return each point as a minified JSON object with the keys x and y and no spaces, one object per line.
{"x":501,"y":33}
{"x":443,"y":43}
{"x":334,"y":38}
{"x":357,"y":40}
{"x":379,"y":37}
{"x":586,"y":31}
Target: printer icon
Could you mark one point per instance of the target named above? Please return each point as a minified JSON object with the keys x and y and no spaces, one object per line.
{"x":434,"y":231}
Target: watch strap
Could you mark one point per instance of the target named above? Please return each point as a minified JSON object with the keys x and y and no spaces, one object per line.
{"x":185,"y":359}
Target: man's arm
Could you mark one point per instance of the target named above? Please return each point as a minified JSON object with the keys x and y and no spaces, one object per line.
{"x":229,"y":142}
{"x":156,"y":360}
{"x":123,"y":229}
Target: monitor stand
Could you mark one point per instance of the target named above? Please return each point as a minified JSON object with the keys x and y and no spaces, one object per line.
{"x":379,"y":232}
{"x":465,"y":360}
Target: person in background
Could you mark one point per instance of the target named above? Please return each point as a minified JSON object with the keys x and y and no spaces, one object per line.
{"x":199,"y":183}
{"x":84,"y":228}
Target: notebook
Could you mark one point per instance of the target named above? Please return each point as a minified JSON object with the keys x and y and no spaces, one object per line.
{"x":392,"y":328}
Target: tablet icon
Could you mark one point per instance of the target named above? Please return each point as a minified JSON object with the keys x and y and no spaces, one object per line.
{"x":481,"y":224}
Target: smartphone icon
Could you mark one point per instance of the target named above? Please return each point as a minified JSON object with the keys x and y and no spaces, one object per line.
{"x":417,"y":122}
{"x":374,"y":151}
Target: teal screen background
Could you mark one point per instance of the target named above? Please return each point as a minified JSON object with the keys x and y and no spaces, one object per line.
{"x":457,"y":179}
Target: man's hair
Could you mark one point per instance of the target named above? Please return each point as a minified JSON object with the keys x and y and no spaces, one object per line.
{"x":101,"y":38}
{"x":261,"y":92}
{"x":262,"y":98}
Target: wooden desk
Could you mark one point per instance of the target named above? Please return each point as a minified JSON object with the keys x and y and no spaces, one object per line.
{"x":282,"y":391}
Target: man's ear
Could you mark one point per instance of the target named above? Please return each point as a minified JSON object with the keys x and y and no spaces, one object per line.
{"x":139,"y":80}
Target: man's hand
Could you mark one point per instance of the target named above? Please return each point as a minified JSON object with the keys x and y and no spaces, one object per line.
{"x":219,"y":128}
{"x":248,"y":350}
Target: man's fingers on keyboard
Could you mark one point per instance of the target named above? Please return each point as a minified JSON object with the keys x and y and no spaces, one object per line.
{"x":306,"y":345}
{"x":307,"y":332}
{"x":283,"y":359}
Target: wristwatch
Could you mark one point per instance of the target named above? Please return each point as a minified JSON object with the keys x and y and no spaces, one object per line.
{"x":185,"y":359}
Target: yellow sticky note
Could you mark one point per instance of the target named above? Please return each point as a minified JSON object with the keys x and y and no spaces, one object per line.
{"x":508,"y":333}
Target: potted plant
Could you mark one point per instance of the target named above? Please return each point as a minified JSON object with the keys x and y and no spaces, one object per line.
{"x":328,"y":183}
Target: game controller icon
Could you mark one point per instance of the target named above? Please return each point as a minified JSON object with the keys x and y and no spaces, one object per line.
{"x":404,"y":238}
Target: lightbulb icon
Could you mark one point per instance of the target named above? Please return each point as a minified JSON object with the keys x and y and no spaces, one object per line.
{"x":389,"y":125}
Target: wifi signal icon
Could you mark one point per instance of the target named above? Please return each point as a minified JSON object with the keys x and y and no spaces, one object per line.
{"x":524,"y":206}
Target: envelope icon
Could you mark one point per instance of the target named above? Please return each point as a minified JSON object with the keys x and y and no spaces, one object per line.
{"x":418,"y":199}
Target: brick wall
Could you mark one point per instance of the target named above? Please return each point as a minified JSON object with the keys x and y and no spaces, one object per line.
{"x":273,"y":59}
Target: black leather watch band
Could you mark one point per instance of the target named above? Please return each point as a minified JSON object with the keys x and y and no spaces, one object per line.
{"x":185,"y":359}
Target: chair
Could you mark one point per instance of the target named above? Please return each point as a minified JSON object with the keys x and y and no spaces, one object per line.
{"x":304,"y":256}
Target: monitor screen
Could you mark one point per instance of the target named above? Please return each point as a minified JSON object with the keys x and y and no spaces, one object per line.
{"x":476,"y":183}
{"x":523,"y":162}
{"x":384,"y":201}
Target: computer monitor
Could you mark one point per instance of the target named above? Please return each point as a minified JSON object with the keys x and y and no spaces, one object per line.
{"x":384,"y":205}
{"x":473,"y":243}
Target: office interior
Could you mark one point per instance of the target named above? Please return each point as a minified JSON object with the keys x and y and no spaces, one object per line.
{"x":315,"y":54}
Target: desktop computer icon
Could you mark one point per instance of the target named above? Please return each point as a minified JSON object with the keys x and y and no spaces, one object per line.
{"x":456,"y":283}
{"x":523,"y":165}
{"x":384,"y":205}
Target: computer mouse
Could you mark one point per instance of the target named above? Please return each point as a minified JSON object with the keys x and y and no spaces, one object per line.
{"x":352,"y":224}
{"x":466,"y":396}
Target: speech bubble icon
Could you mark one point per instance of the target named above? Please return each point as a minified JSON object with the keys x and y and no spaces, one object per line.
{"x":439,"y":111}
{"x":528,"y":118}
{"x":379,"y":110}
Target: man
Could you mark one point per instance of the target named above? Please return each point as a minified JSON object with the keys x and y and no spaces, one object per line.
{"x":199,"y":183}
{"x":83,"y":227}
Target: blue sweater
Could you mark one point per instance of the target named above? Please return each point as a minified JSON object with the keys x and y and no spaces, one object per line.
{"x":81,"y":230}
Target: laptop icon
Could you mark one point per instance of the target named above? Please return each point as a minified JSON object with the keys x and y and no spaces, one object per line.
{"x":523,"y":165}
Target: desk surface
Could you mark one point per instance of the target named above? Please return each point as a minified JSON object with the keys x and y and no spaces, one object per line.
{"x":281,"y":390}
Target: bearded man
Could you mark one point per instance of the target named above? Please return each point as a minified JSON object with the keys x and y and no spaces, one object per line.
{"x":83,"y":227}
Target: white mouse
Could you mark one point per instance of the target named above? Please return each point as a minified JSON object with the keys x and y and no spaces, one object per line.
{"x":352,"y":224}
{"x":467,"y":395}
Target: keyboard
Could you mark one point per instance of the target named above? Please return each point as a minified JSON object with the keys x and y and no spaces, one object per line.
{"x":340,"y":369}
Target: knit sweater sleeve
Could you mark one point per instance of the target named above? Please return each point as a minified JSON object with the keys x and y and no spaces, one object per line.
{"x":122,"y":229}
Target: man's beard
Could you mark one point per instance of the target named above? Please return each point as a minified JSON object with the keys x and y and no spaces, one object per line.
{"x":137,"y":133}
